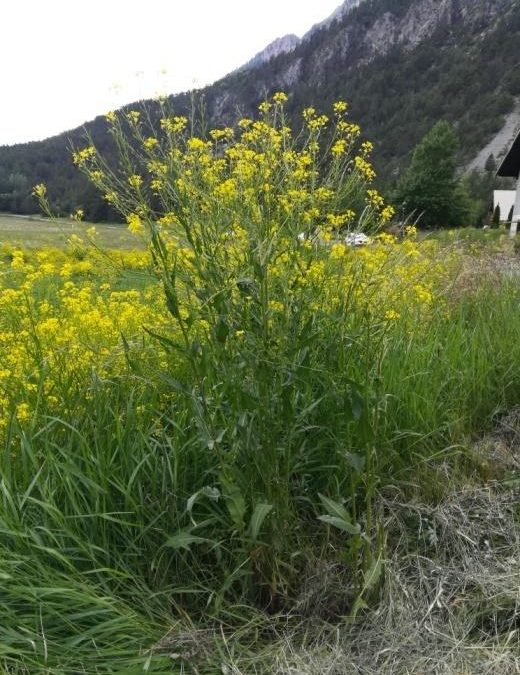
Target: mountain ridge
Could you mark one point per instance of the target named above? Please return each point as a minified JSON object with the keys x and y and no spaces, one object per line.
{"x":287,"y":43}
{"x":281,"y":45}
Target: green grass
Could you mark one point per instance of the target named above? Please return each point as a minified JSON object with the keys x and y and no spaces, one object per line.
{"x":118,"y":529}
{"x":39,"y":232}
{"x":489,"y":239}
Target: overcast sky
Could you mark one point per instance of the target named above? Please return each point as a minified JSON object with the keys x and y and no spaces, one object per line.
{"x":62,"y":62}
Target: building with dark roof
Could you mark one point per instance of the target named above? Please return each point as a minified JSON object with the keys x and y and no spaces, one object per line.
{"x":510,"y":168}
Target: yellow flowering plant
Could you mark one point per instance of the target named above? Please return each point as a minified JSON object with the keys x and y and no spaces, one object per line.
{"x":245,"y":228}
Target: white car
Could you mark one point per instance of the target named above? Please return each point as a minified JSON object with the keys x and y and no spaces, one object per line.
{"x":357,"y":239}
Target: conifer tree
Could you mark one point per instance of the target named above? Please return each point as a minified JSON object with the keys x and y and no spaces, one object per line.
{"x":429,"y":189}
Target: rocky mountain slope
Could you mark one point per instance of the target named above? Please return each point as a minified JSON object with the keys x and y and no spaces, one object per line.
{"x":401,"y":64}
{"x":288,"y":43}
{"x":282,"y":45}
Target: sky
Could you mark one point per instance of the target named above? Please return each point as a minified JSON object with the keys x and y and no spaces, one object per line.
{"x":62,"y":62}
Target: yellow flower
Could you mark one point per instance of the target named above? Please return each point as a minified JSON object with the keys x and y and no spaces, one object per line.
{"x":373,"y":197}
{"x":80,"y":157}
{"x":196,"y":144}
{"x":280,"y":97}
{"x":111,"y":197}
{"x":150,"y":143}
{"x":77,"y":215}
{"x":317,"y":123}
{"x":168,"y":219}
{"x":135,"y":224}
{"x":264,"y":107}
{"x":96,"y":175}
{"x":339,"y":147}
{"x":217,"y":134}
{"x":133,"y":116}
{"x":39,"y":190}
{"x":22,"y":412}
{"x":387,"y":214}
{"x":340,"y":107}
{"x":364,"y":168}
{"x":174,"y":125}
{"x":135,"y":181}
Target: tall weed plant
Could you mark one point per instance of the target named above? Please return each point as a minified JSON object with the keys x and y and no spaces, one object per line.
{"x":241,"y":225}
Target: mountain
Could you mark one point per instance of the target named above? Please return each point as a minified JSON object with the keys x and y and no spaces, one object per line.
{"x":336,"y":15}
{"x":279,"y":46}
{"x":401,"y":64}
{"x":288,"y":43}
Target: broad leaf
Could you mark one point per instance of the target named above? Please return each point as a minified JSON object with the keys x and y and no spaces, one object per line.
{"x":183,"y":540}
{"x":259,"y":515}
{"x":334,"y":508}
{"x":341,"y":524}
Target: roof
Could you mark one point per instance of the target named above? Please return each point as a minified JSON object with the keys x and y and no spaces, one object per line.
{"x":510,"y":166}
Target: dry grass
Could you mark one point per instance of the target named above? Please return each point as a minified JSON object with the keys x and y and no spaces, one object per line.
{"x":450,"y":603}
{"x":450,"y":598}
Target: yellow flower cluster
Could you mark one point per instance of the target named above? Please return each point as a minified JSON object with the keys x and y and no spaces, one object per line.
{"x":80,"y":157}
{"x":174,"y":125}
{"x":61,"y":318}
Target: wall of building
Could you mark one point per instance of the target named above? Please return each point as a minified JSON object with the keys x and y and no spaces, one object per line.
{"x":505,"y":200}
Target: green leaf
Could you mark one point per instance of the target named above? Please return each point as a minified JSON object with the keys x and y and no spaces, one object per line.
{"x":235,"y":502}
{"x":221,"y":330}
{"x":165,"y":341}
{"x":373,"y":574}
{"x":357,"y":402}
{"x":358,"y":604}
{"x":334,"y":508}
{"x":172,"y":302}
{"x":183,"y":540}
{"x":355,"y":461}
{"x":246,"y":286}
{"x":211,"y":493}
{"x":338,"y":516}
{"x":370,"y":580}
{"x":259,"y":515}
{"x":341,"y":524}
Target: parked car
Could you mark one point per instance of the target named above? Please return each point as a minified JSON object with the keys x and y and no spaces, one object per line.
{"x":357,"y":239}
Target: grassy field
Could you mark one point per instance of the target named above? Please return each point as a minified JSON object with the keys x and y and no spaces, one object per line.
{"x":37,"y":232}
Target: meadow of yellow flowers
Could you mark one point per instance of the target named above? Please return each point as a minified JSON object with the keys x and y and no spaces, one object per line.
{"x":66,"y":313}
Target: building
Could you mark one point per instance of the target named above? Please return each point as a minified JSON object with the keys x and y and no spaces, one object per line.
{"x":510,"y":168}
{"x":505,"y":200}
